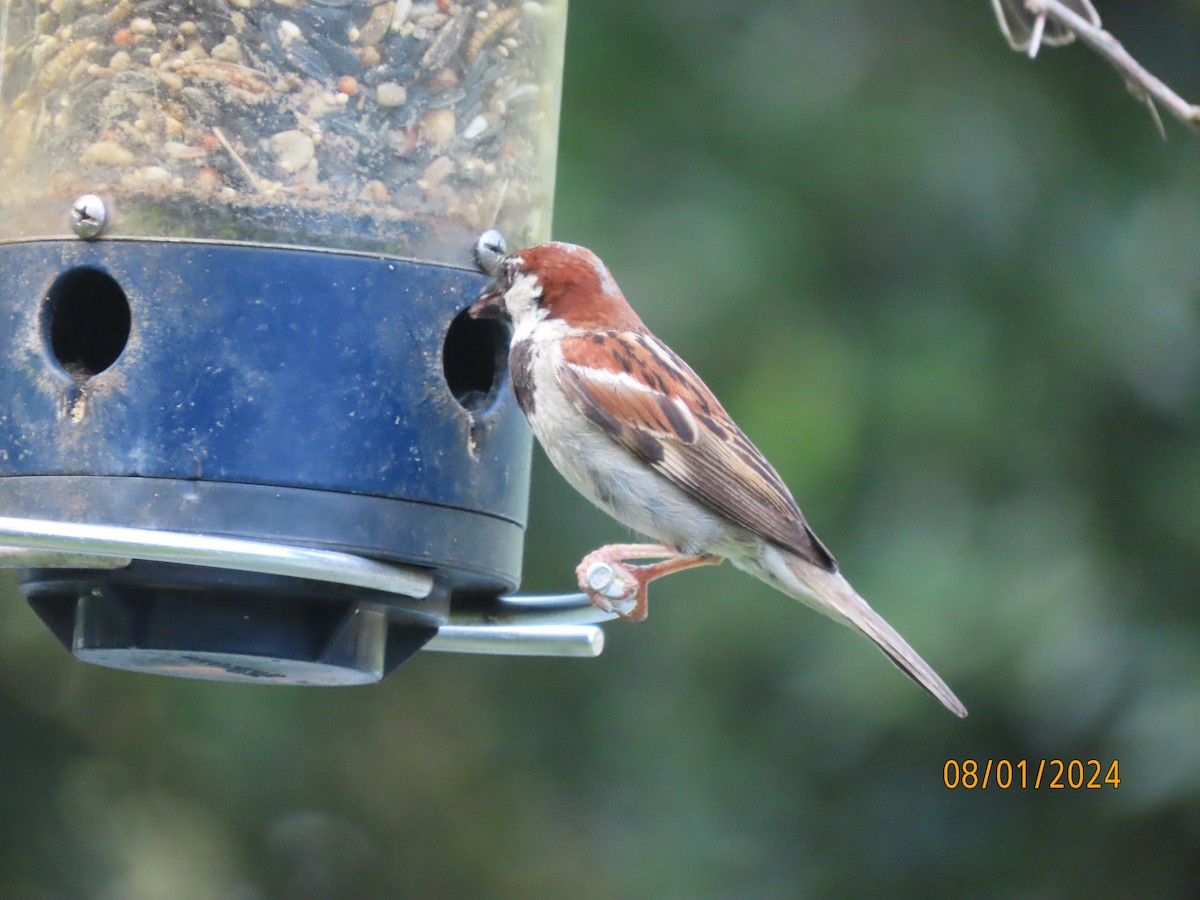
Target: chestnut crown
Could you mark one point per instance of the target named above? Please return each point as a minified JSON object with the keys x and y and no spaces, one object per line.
{"x":557,"y":281}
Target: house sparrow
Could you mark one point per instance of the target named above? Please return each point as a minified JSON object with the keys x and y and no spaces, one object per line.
{"x":637,"y":432}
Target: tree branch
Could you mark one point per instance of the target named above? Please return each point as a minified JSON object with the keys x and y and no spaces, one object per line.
{"x":1141,"y":83}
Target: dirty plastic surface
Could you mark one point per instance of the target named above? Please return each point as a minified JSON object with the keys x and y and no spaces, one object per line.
{"x":398,"y":127}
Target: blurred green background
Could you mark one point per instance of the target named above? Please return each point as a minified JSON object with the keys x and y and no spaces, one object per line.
{"x":953,"y":296}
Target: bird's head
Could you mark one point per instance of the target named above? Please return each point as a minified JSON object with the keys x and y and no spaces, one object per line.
{"x":556,"y":281}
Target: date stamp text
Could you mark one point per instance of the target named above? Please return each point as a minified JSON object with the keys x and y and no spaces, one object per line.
{"x":1031,"y":774}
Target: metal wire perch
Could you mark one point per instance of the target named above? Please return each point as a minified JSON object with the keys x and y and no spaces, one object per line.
{"x":558,"y":625}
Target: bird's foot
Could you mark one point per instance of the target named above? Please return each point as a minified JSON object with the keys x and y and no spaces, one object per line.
{"x":616,"y":587}
{"x":611,"y":585}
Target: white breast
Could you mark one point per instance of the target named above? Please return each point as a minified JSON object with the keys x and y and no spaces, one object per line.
{"x":604,"y":471}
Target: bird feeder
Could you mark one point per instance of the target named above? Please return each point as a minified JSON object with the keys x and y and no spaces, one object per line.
{"x":246,"y":432}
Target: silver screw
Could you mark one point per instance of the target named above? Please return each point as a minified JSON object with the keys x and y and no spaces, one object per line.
{"x":88,"y":216}
{"x":490,"y":251}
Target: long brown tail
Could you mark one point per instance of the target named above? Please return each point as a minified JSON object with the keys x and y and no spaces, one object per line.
{"x":830,"y":593}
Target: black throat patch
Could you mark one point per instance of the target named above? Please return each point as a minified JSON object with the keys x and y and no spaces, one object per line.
{"x":520,"y":365}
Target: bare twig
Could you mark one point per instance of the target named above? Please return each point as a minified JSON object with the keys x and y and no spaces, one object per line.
{"x":1035,"y":37}
{"x":1027,"y":33}
{"x":1141,"y":83}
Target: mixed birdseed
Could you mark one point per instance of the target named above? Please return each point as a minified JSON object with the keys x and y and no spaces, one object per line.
{"x":396,"y":126}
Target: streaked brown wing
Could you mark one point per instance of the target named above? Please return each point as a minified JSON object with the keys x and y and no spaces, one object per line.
{"x":621,"y":380}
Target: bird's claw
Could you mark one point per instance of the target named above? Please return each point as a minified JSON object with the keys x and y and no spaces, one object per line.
{"x":617,"y":587}
{"x":611,"y":586}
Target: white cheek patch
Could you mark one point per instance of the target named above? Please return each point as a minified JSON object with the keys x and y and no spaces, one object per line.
{"x":522,"y":297}
{"x":521,"y":301}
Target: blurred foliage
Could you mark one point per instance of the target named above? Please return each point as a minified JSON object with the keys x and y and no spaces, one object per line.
{"x":953,"y":295}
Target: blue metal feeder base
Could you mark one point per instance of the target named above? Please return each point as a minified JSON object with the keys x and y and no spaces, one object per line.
{"x":309,"y":399}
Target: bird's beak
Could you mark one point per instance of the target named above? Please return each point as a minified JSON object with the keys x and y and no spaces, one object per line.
{"x":490,"y":304}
